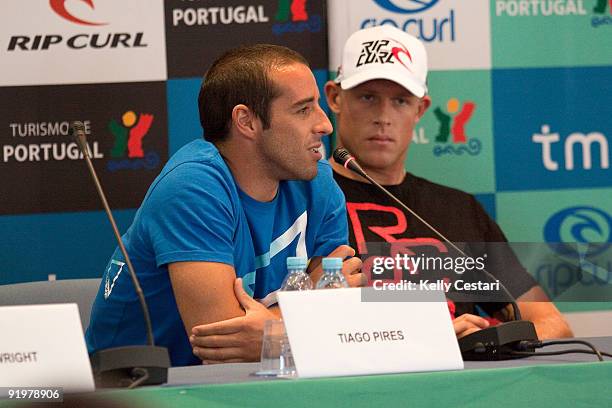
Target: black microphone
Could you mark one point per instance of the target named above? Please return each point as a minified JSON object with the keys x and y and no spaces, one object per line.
{"x":493,"y":343}
{"x":127,"y":366}
{"x":344,"y":158}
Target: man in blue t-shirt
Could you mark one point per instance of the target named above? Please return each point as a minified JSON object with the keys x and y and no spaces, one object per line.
{"x":216,"y":226}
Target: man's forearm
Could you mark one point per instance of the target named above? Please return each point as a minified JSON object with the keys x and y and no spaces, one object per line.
{"x":549,"y":325}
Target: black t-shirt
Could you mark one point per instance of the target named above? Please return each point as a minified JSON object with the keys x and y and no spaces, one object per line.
{"x":374,"y":217}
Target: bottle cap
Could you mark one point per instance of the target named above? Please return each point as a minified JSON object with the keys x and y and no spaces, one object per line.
{"x":332,"y":263}
{"x":296,"y":262}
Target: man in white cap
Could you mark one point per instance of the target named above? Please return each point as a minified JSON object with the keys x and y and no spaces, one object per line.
{"x":379,"y":95}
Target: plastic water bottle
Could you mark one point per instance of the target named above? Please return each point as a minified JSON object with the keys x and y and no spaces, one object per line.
{"x":297,"y":278}
{"x":332,"y":274}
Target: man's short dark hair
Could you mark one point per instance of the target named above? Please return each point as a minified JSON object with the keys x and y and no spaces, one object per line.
{"x":241,"y":76}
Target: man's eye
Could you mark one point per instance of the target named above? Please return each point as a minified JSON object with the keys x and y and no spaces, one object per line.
{"x":305,"y":110}
{"x":367,"y":98}
{"x":401,"y":101}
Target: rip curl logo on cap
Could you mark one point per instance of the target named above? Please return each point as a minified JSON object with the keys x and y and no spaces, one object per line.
{"x":398,"y":52}
{"x":406,"y":6}
{"x":59,"y":6}
{"x":378,"y":52}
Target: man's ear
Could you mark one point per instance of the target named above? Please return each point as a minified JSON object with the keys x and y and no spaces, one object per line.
{"x":333,"y":96}
{"x":424,"y":104}
{"x":245,"y":121}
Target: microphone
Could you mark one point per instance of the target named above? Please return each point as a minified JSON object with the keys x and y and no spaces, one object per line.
{"x":493,"y":343}
{"x":127,"y":366}
{"x":343,"y":157}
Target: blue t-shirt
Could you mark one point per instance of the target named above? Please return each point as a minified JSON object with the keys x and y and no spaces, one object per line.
{"x":195,"y":211}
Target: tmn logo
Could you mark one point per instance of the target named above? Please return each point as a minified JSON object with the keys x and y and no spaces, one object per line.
{"x":127,"y":151}
{"x":585,"y":142}
{"x":452,"y":129}
{"x":292,"y":17}
{"x":59,"y":6}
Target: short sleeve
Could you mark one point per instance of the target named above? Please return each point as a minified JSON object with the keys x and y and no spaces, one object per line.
{"x":502,"y":261}
{"x":189,"y":216}
{"x":334,"y":228}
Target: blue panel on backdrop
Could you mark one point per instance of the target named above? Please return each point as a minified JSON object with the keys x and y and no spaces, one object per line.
{"x":184,"y":117}
{"x":488,"y":202}
{"x":322,"y":75}
{"x":69,"y":245}
{"x":552,"y":128}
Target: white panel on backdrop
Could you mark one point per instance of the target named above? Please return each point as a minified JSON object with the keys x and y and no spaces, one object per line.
{"x":456,"y":33}
{"x":81,"y":41}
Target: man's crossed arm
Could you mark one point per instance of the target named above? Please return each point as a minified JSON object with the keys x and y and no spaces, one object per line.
{"x":223,"y":322}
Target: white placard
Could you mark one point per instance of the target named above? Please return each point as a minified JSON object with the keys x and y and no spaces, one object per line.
{"x":333,"y":332}
{"x":43,"y":346}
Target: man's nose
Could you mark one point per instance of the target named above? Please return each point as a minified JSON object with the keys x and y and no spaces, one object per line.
{"x":324,"y":126}
{"x":382,"y":113}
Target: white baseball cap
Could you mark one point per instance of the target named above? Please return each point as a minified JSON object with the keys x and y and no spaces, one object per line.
{"x":384,"y":52}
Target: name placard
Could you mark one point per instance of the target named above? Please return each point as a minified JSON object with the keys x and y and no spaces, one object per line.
{"x":43,"y":346}
{"x":339,"y":332}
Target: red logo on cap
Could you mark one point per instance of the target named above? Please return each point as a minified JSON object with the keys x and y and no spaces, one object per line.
{"x":59,"y":6}
{"x":401,"y":50}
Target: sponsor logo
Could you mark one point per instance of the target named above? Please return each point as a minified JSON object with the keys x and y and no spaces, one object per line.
{"x":581,"y":224}
{"x":451,"y":134}
{"x":37,"y":142}
{"x":601,"y":6}
{"x":292,"y":17}
{"x":427,"y":29}
{"x":558,"y":8}
{"x":382,"y":53}
{"x":582,"y":237}
{"x":585,"y":142}
{"x":127,"y":151}
{"x":59,"y":6}
{"x":41,"y":42}
{"x":451,"y":128}
{"x":405,"y":6}
{"x":205,"y":16}
{"x":600,"y":10}
{"x":529,"y":8}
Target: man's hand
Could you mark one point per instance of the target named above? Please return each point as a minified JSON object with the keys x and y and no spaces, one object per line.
{"x":235,"y":340}
{"x":351,"y":268}
{"x":468,"y":324}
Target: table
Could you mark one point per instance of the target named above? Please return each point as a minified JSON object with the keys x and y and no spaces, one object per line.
{"x":574,"y":380}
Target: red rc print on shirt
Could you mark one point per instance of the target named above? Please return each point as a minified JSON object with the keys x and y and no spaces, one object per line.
{"x":388,"y":234}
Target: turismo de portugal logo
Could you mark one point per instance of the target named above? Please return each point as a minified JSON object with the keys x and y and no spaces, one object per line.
{"x":451,"y":137}
{"x":129,"y":134}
